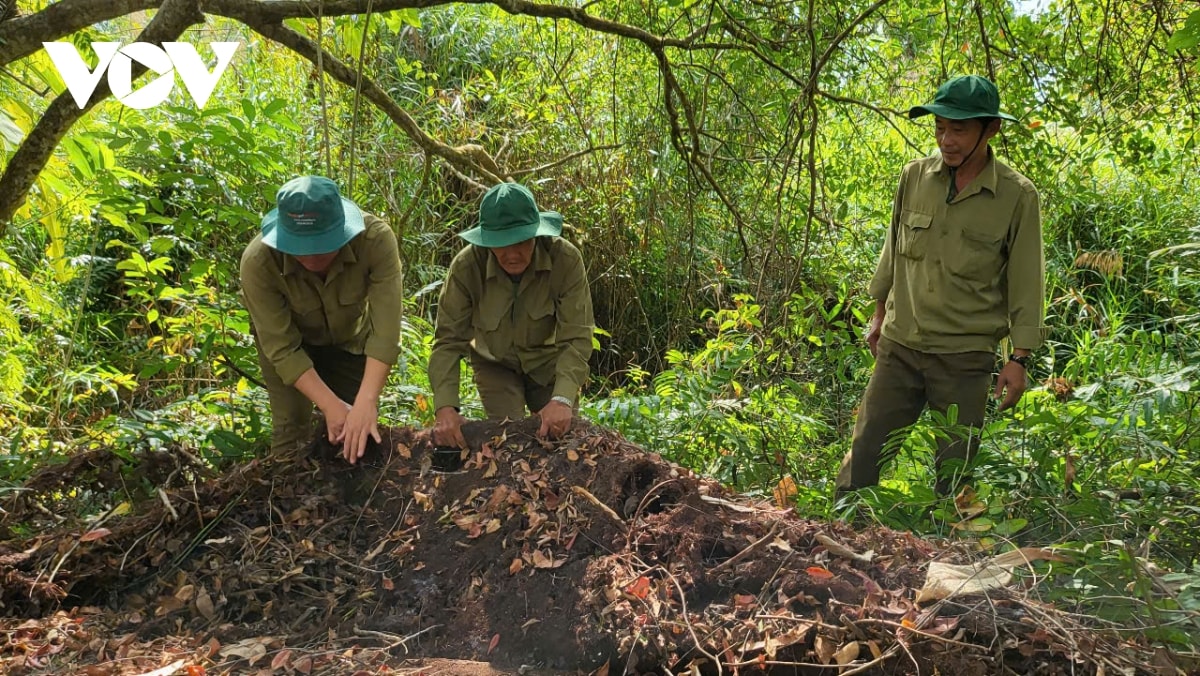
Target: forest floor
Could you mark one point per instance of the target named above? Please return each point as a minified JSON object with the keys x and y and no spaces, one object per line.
{"x":588,"y":555}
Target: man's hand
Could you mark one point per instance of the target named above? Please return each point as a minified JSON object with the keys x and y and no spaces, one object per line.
{"x":872,"y":334}
{"x":556,"y":419}
{"x":361,"y":421}
{"x":447,"y":428}
{"x":1011,"y":383}
{"x":335,"y":419}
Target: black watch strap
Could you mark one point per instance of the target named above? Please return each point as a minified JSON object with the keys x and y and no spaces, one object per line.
{"x":1023,"y":361}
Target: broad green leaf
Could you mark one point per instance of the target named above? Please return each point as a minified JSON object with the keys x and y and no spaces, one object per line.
{"x":1187,"y":37}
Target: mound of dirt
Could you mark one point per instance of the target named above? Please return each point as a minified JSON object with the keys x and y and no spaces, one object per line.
{"x":586,"y":555}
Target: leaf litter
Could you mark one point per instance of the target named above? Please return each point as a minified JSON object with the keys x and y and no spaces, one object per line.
{"x":585,"y":556}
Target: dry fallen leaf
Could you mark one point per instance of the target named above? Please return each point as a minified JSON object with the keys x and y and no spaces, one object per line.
{"x":602,"y":671}
{"x":824,"y":648}
{"x":745,"y":600}
{"x":167,"y":605}
{"x":947,"y":580}
{"x":847,"y":654}
{"x":639,"y":587}
{"x":281,"y":659}
{"x":204,"y":604}
{"x":967,"y":504}
{"x":185,"y":593}
{"x":818,"y":572}
{"x":540,"y":560}
{"x":251,"y":649}
{"x":785,"y":491}
{"x":423,"y":500}
{"x":516,"y":566}
{"x":572,"y":455}
{"x":168,"y":670}
{"x":95,"y":534}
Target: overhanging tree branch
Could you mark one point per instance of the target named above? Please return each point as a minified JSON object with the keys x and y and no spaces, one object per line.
{"x":169,"y":22}
{"x":24,"y":35}
{"x":374,"y":93}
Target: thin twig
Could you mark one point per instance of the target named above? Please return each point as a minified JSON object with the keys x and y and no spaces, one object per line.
{"x":684,"y":611}
{"x":396,"y":640}
{"x":563,"y":160}
{"x":914,"y":630}
{"x":748,"y":550}
{"x":580,"y":490}
{"x":167,"y":501}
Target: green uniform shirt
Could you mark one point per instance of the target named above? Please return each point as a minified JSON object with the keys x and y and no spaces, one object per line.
{"x":356,"y":307}
{"x":540,"y":326}
{"x":958,"y":277}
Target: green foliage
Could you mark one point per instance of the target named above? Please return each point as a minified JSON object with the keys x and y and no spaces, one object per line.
{"x":727,"y":409}
{"x":1187,"y":38}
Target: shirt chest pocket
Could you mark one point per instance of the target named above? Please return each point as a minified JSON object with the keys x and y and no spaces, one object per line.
{"x":351,"y":307}
{"x":912,"y":239}
{"x":540,"y":319}
{"x":307,"y":309}
{"x":981,"y":253}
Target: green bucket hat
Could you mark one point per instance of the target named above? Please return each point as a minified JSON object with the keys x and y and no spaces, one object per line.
{"x":508,"y":215}
{"x":966,"y":97}
{"x":310,"y":218}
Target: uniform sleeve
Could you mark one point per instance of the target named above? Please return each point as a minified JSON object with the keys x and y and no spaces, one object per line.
{"x":881,"y":282}
{"x":278,"y":335}
{"x":573,"y":305}
{"x":384,"y":293}
{"x":452,"y":332}
{"x":1027,"y":275}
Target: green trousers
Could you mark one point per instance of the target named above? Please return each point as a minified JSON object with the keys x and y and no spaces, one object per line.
{"x":506,"y":393}
{"x":903,"y":382}
{"x":291,"y":411}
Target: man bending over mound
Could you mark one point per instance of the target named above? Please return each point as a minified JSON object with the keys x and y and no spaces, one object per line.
{"x":516,"y":303}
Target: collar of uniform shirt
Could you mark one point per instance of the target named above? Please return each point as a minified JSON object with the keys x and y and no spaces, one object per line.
{"x":986,"y":179}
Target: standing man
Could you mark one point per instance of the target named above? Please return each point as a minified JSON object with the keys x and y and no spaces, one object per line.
{"x":962,"y":267}
{"x":322,"y":284}
{"x":516,"y":303}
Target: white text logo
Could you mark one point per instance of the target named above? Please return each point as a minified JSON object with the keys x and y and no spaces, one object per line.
{"x":171,"y":58}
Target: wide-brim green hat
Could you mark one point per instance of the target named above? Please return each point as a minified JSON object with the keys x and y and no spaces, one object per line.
{"x":311,"y":218}
{"x":966,"y":97}
{"x":508,"y":215}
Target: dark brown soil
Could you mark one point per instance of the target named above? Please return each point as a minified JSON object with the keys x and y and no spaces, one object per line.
{"x":585,"y":556}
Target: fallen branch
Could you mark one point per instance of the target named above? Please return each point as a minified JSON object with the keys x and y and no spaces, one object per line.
{"x":580,"y":490}
{"x":747,"y":551}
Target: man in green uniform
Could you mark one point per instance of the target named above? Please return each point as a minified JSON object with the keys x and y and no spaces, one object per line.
{"x":516,"y":303}
{"x":962,"y":267}
{"x":322,"y":284}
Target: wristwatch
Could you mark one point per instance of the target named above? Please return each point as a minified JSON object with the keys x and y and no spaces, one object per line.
{"x":1023,"y":361}
{"x":563,"y":400}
